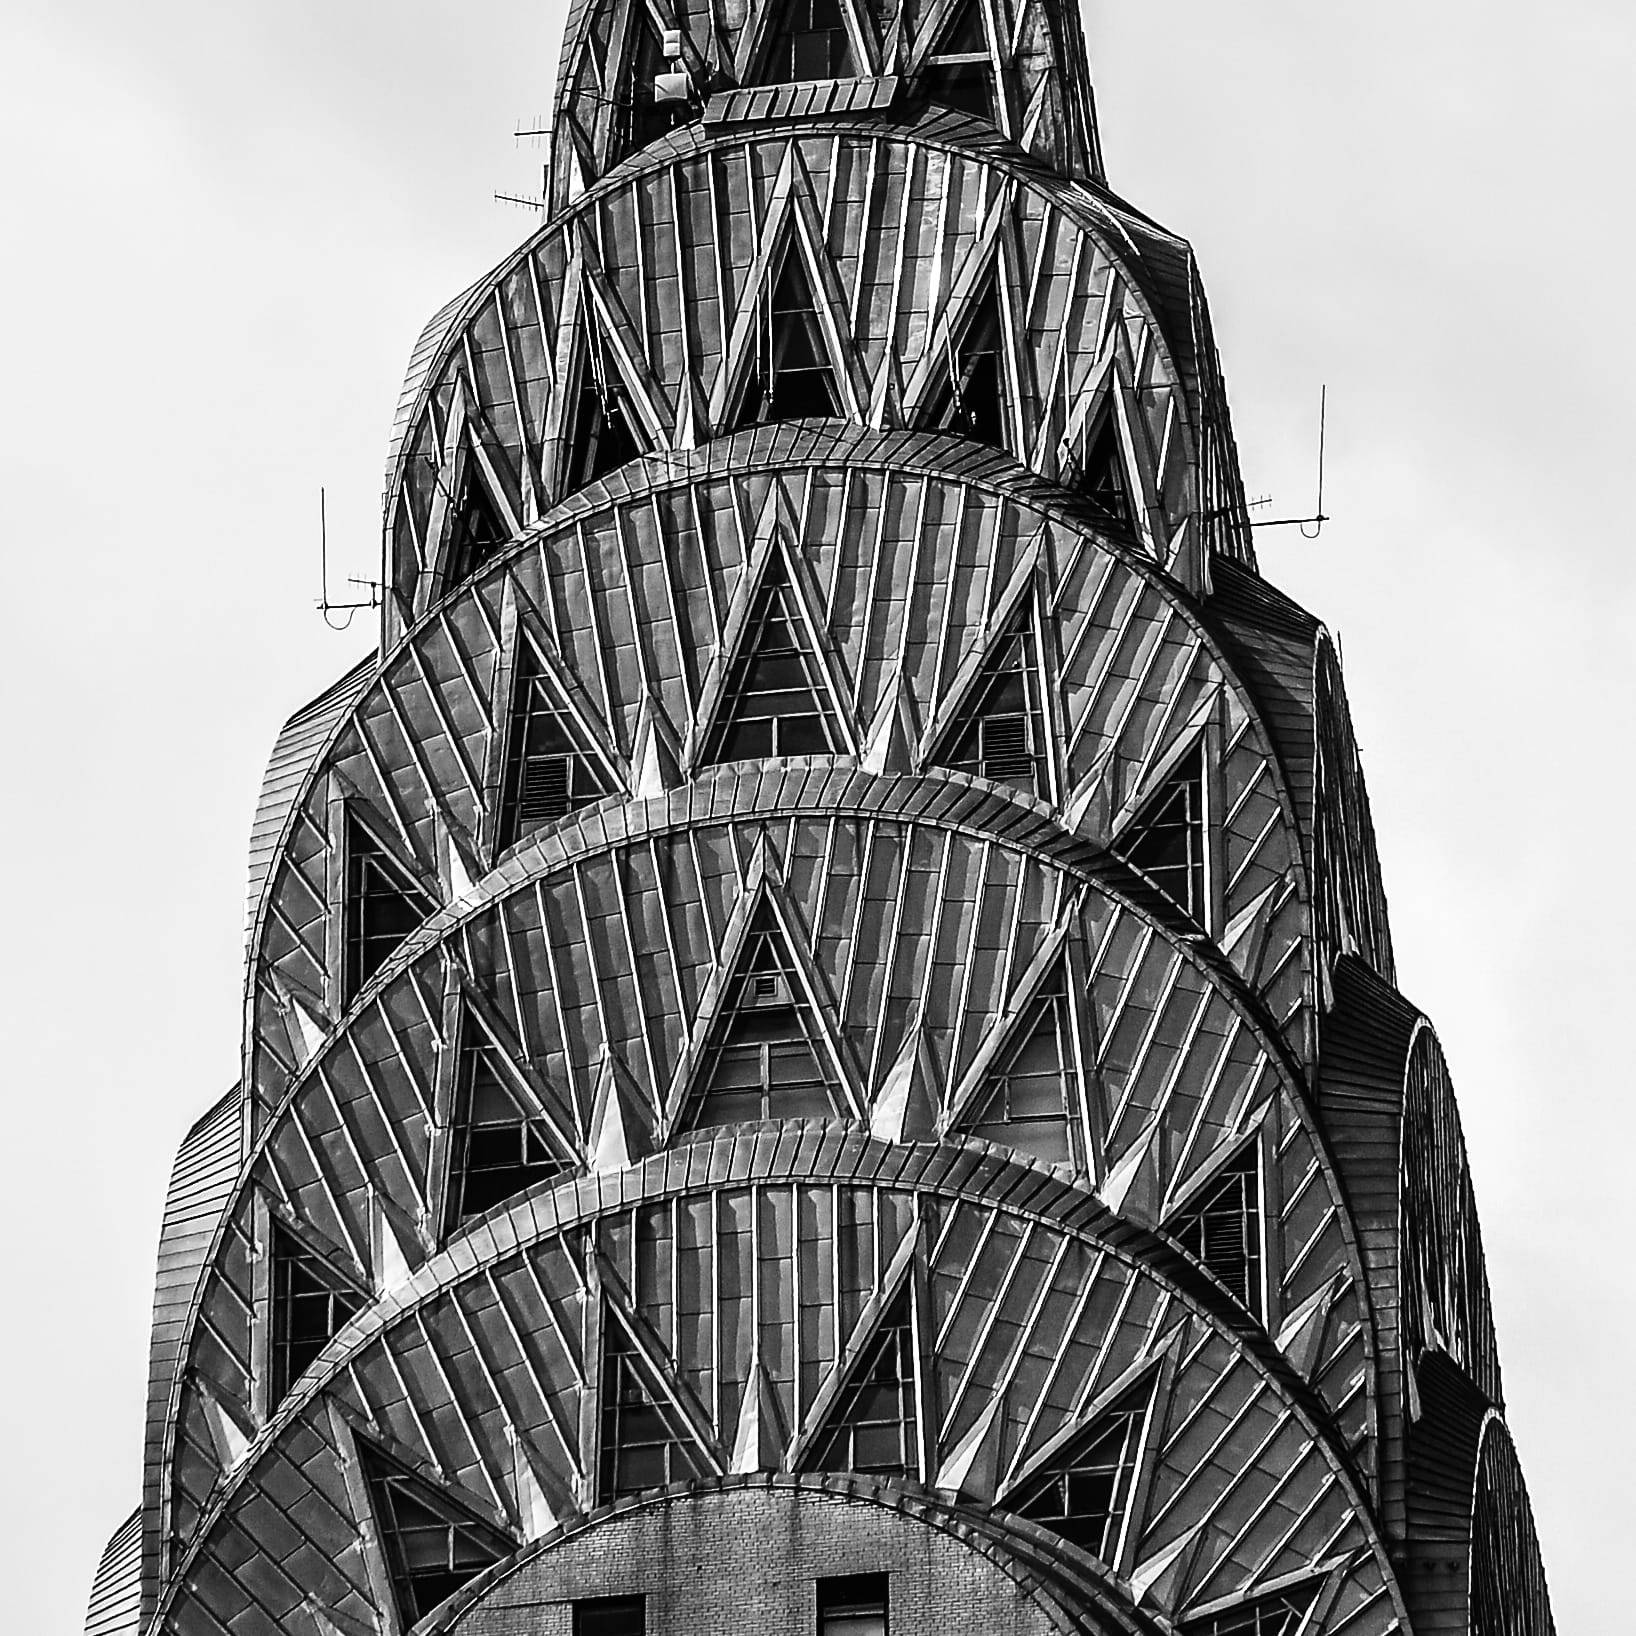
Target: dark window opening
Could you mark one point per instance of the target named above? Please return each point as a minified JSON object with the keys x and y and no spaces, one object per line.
{"x":310,"y":1303}
{"x":810,"y":42}
{"x":1102,"y":480}
{"x":1223,"y":1229}
{"x":639,"y":1448}
{"x":498,"y":1150}
{"x":874,"y":1427}
{"x":431,"y":1550}
{"x":604,"y":423}
{"x":1000,"y":732}
{"x":384,"y":904}
{"x":771,"y":705}
{"x":1280,"y":1614}
{"x":972,"y":400}
{"x":1030,"y":1094}
{"x":958,"y":73}
{"x":791,"y":378}
{"x":548,"y":774}
{"x":478,"y":531}
{"x":853,"y":1605}
{"x":762,"y":1061}
{"x":1084,"y":1497}
{"x":1166,"y":842}
{"x":644,"y":116}
{"x":610,"y":1616}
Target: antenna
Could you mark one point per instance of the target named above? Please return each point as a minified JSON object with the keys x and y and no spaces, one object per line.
{"x":324,"y":605}
{"x":1318,"y":518}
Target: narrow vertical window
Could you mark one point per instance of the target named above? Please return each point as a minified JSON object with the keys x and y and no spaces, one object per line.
{"x":310,"y":1303}
{"x":773,"y":703}
{"x":478,"y":530}
{"x":793,"y":377}
{"x":498,"y":1149}
{"x":604,"y":434}
{"x":854,"y":1605}
{"x":810,"y":42}
{"x":874,"y":1427}
{"x":999,"y":732}
{"x":384,"y":904}
{"x":1031,"y":1091}
{"x":1281,"y":1614}
{"x":640,"y":1448}
{"x":1222,"y":1230}
{"x":1102,"y":479}
{"x":972,"y":400}
{"x":958,"y":73}
{"x":762,"y":1060}
{"x":1166,"y":839}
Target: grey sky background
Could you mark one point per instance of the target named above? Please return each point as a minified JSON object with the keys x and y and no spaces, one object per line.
{"x":224,"y":224}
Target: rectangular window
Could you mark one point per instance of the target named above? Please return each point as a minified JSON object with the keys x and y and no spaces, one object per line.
{"x":852,"y":1605}
{"x":609,"y":1616}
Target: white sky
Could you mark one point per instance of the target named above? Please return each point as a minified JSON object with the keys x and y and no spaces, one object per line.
{"x":224,"y":224}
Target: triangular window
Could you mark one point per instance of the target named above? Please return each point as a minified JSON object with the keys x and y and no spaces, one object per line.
{"x":646,"y":114}
{"x":791,"y":376}
{"x":873,"y":1426}
{"x":384,"y":904}
{"x":772,"y":704}
{"x":604,"y":433}
{"x":1222,"y":1229}
{"x":1280,"y":1614}
{"x":809,"y":42}
{"x":1029,"y":1094}
{"x":1102,"y":479}
{"x":640,"y":1447}
{"x":549,"y":771}
{"x":763,"y":1059}
{"x":958,"y":73}
{"x":478,"y":530}
{"x":972,"y":399}
{"x":1084,"y":1493}
{"x":999,"y":732}
{"x":310,"y":1303}
{"x":498,"y":1149}
{"x":1166,"y":839}
{"x":432,"y":1545}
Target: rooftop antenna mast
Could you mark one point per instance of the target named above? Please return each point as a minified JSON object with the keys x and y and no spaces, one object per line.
{"x":1319,"y":517}
{"x":537,"y":135}
{"x":324,"y":605}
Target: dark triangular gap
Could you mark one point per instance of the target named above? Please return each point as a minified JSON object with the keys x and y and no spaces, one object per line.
{"x":550,"y":772}
{"x":791,"y":377}
{"x":873,"y":1426}
{"x":498,"y":1147}
{"x":641,"y":1448}
{"x":972,"y":398}
{"x":1166,"y":839}
{"x":1000,"y":732}
{"x":1084,"y":1492}
{"x":958,"y":72}
{"x":604,"y":423}
{"x":1222,"y":1229}
{"x":643,"y":115}
{"x":1102,"y":479}
{"x":1280,"y":1614}
{"x":384,"y":904}
{"x":772,"y":704}
{"x":478,"y":532}
{"x":432,"y":1545}
{"x":762,"y":1059}
{"x":1027,"y":1098}
{"x":808,"y":40}
{"x":310,"y":1303}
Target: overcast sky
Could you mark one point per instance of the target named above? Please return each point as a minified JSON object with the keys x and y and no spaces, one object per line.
{"x":224,"y":224}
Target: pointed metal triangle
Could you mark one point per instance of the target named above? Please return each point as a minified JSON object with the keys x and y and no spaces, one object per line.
{"x":328,"y":1622}
{"x":306,"y":1029}
{"x":1301,"y":1337}
{"x":1249,"y":919}
{"x":906,"y":1108}
{"x":535,"y":1511}
{"x":886,"y":397}
{"x":1157,"y":1579}
{"x":231,"y":1441}
{"x":656,"y":758}
{"x":973,"y":1465}
{"x":397,"y":1253}
{"x":889,"y":745}
{"x":1133,"y":1186}
{"x":692,"y":423}
{"x":760,"y":1438}
{"x":617,"y":1130}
